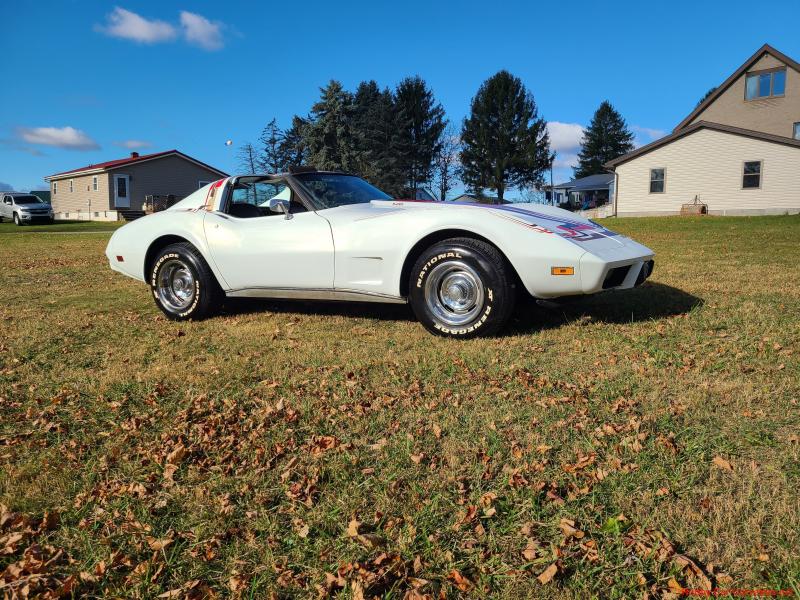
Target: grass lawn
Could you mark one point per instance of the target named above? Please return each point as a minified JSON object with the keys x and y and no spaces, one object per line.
{"x":60,"y":227}
{"x":626,"y":445}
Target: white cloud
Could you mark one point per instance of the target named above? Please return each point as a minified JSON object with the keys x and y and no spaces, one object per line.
{"x":201,"y":32}
{"x":130,"y":26}
{"x":60,"y":137}
{"x":565,"y":161}
{"x":564,"y":136}
{"x":645,"y":135}
{"x":6,"y":187}
{"x":133,"y":144}
{"x":653,"y":134}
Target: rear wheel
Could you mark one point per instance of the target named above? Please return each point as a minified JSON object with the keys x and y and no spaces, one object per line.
{"x":183,"y":285}
{"x":462,"y":287}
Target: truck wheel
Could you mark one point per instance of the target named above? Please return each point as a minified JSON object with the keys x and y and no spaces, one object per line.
{"x":17,"y":222}
{"x":462,"y":288}
{"x":183,"y":285}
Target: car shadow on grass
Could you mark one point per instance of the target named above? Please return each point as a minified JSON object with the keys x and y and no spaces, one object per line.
{"x":356,"y":310}
{"x":648,"y":302}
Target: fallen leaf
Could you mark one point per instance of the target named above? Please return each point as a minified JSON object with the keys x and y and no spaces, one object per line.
{"x":547,"y":575}
{"x":177,"y":455}
{"x":722,"y":463}
{"x":461,"y":582}
{"x":417,"y":458}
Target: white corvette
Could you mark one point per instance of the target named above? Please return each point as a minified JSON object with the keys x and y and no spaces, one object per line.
{"x":322,"y":235}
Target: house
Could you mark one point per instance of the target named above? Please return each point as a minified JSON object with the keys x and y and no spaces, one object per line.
{"x":479,"y":199}
{"x":117,"y":188}
{"x":738,"y":152}
{"x":590,"y":194}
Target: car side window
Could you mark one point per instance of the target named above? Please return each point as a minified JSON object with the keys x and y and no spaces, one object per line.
{"x":261,"y":199}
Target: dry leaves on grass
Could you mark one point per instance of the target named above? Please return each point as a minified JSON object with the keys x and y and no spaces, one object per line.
{"x":723,"y":464}
{"x":42,"y":570}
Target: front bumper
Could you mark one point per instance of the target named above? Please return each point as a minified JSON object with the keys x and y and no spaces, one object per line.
{"x":29,"y":218}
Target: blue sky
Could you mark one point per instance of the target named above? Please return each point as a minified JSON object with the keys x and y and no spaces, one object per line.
{"x":87,"y":81}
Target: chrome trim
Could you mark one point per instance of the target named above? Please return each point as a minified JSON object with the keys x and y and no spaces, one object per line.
{"x":315,"y":294}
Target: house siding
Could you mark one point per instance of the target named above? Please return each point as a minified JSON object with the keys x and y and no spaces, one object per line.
{"x":82,"y":194}
{"x":163,"y":176}
{"x":769,"y":115}
{"x":709,"y":164}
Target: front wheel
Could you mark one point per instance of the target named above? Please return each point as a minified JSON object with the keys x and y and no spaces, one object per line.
{"x":17,"y":222}
{"x":462,"y":287}
{"x":183,"y":285}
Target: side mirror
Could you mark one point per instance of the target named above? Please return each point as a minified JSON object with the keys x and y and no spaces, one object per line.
{"x":7,"y":201}
{"x":280,"y":206}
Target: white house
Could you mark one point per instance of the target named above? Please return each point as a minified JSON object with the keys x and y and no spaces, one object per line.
{"x":738,"y":152}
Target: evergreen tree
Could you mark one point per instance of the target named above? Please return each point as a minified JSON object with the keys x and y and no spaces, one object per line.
{"x":606,"y":138}
{"x":293,"y":150}
{"x":705,"y":96}
{"x":504,"y":142}
{"x":375,"y":133}
{"x":420,"y":122}
{"x":271,"y":156}
{"x":328,"y":136}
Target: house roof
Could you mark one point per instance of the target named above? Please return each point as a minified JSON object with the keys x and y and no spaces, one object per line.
{"x":758,"y":135}
{"x":134,"y":158}
{"x":591,"y":182}
{"x":479,"y":199}
{"x":765,"y":49}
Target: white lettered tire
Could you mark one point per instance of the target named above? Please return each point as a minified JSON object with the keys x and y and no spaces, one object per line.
{"x":183,"y":285}
{"x":462,"y":287}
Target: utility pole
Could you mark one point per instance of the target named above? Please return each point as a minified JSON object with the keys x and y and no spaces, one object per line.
{"x":552,"y":191}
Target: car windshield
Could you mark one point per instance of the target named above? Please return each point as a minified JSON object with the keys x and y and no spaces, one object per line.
{"x":329,"y":190}
{"x":28,"y":200}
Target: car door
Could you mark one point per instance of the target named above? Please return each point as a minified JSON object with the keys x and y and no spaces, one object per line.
{"x":255,"y":247}
{"x":5,"y":207}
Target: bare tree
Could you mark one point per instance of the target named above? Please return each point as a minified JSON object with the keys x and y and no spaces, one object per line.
{"x":248,"y":159}
{"x":445,"y":163}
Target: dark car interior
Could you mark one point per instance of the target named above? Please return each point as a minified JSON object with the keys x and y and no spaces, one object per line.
{"x":251,"y":198}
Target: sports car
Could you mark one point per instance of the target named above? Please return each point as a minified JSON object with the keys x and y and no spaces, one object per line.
{"x":332,"y":236}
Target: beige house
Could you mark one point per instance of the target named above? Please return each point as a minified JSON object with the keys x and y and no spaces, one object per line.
{"x":738,"y":152}
{"x":117,"y":189}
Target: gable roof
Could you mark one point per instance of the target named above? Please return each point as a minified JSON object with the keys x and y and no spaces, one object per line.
{"x":765,"y":49}
{"x":758,"y":135}
{"x":113,"y":164}
{"x":590,"y":182}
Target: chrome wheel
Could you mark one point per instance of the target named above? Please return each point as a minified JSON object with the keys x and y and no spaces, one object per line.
{"x":454,"y":293}
{"x":175,"y":285}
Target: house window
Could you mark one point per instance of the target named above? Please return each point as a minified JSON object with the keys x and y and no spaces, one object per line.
{"x":765,"y":85}
{"x":55,"y":188}
{"x":94,"y":183}
{"x":751,"y":176}
{"x":70,"y":186}
{"x":202,"y":183}
{"x":657,"y":177}
{"x":796,"y":134}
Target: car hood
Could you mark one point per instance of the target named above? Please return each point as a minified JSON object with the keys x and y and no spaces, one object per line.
{"x":567,"y":225}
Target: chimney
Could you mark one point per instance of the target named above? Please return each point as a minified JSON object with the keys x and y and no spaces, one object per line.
{"x":134,"y":155}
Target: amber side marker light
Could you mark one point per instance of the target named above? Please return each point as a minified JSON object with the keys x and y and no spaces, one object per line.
{"x":120,"y":259}
{"x":562,"y":271}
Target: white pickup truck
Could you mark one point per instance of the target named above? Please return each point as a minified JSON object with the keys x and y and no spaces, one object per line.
{"x":25,"y":208}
